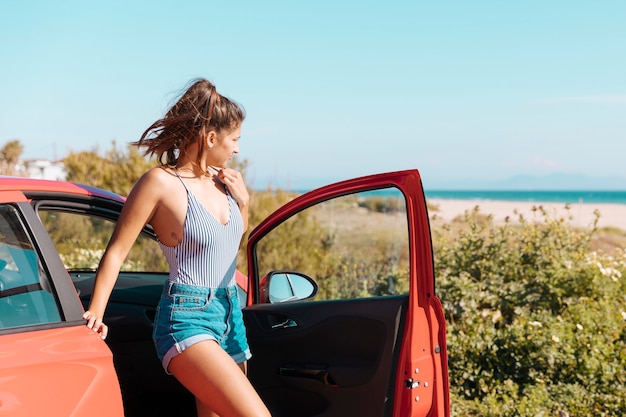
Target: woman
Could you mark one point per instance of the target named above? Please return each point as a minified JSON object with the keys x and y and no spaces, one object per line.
{"x":199,"y":210}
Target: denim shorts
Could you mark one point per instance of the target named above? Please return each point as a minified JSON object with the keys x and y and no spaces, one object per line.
{"x":188,"y":314}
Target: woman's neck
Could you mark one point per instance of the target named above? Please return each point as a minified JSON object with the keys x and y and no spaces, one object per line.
{"x":196,"y":169}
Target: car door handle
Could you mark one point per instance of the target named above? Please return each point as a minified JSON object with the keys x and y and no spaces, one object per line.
{"x":285,"y":324}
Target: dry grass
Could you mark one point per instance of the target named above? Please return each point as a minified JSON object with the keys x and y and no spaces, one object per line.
{"x":609,"y":240}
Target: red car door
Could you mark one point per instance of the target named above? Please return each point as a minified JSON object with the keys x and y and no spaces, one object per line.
{"x":342,"y":315}
{"x":50,"y":363}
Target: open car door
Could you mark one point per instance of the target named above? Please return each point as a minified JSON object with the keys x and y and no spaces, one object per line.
{"x":342,"y":315}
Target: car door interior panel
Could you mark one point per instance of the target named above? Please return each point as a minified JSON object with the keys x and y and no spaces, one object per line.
{"x":338,"y":361}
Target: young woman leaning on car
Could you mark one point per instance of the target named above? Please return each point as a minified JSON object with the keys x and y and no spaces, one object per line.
{"x":198,"y":208}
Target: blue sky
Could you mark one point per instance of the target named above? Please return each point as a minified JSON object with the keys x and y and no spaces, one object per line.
{"x":462,"y":90}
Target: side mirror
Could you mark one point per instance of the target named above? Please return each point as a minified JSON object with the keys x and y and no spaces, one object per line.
{"x":284,"y":286}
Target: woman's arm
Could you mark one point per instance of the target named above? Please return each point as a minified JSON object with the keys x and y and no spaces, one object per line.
{"x":136,"y":213}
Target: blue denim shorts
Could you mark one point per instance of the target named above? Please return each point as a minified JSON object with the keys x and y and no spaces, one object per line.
{"x":188,"y":314}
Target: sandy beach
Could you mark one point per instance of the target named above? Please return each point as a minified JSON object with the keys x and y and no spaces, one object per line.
{"x":579,"y":214}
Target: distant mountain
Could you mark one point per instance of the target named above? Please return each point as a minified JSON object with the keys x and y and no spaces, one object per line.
{"x":556,"y":181}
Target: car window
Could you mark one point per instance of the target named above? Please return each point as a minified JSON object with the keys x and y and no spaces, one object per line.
{"x":81,"y":240}
{"x":26,"y":296}
{"x":354,"y":246}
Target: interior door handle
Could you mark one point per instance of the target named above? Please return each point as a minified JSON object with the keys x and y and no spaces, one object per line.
{"x":285,"y":324}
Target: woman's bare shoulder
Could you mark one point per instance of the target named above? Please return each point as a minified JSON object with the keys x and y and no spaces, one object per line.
{"x":159,"y":180}
{"x":161,"y":172}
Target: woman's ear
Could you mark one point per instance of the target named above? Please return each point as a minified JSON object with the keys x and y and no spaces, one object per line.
{"x":211,"y":138}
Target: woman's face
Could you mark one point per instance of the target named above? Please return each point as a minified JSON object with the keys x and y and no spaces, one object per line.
{"x":222,"y":147}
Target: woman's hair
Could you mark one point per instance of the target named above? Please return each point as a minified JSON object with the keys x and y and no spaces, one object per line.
{"x":199,"y":110}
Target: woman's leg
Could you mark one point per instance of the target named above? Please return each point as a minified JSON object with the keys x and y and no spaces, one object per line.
{"x":204,"y":411}
{"x":217,"y":382}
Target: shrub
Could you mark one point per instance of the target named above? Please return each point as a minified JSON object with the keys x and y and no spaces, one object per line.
{"x":536,"y":321}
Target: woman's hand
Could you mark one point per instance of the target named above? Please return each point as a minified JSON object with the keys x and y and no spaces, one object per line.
{"x":95,"y":323}
{"x":236,"y":185}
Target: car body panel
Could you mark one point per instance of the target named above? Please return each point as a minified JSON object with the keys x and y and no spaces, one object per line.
{"x":66,"y":371}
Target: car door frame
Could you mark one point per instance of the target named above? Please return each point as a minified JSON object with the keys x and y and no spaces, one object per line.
{"x":422,"y":374}
{"x":69,"y":304}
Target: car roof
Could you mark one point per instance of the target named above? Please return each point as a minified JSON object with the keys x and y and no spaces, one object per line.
{"x":23,"y":184}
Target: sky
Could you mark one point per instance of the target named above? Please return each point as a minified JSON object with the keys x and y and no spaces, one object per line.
{"x":470,"y":93}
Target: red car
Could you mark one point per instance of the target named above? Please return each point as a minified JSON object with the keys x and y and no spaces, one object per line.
{"x":340,"y":306}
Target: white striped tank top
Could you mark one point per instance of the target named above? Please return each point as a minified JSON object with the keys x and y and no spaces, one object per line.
{"x":207,"y":253}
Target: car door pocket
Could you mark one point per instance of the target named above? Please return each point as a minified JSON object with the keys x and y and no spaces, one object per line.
{"x":333,"y":376}
{"x":315,"y":372}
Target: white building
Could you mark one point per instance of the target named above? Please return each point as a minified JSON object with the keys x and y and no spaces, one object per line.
{"x":43,"y":169}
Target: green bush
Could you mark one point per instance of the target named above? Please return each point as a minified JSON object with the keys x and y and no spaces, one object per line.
{"x":536,"y":321}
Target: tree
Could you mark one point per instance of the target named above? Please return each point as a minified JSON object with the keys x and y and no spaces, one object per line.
{"x":115,"y":170}
{"x":10,"y":156}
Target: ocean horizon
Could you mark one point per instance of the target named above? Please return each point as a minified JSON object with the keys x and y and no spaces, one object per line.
{"x":539,"y":196}
{"x":556,"y":196}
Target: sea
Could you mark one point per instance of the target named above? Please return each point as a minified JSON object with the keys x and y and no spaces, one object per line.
{"x":544,"y":196}
{"x":539,"y":196}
